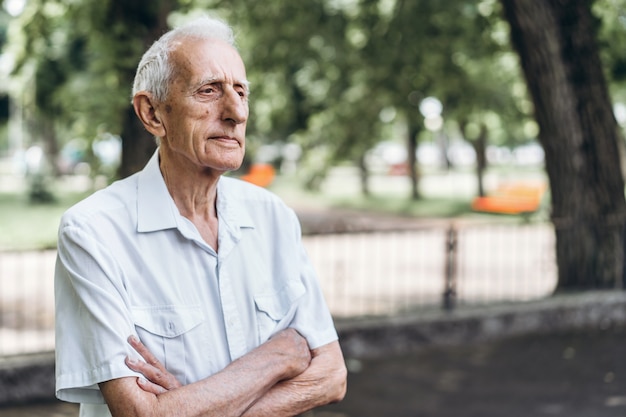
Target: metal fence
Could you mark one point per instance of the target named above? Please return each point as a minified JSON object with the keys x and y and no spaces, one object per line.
{"x":384,"y":273}
{"x":374,"y":273}
{"x":26,"y":301}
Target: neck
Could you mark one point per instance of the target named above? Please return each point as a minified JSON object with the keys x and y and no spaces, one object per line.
{"x":195,"y":196}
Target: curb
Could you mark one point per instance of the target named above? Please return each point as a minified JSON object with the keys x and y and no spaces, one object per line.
{"x":375,"y":337}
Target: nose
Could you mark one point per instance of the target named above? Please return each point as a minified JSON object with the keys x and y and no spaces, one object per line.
{"x":235,"y":107}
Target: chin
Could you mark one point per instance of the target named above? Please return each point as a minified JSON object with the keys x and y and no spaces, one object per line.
{"x":231,"y":167}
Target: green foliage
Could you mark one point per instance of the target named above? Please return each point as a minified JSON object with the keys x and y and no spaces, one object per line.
{"x":332,"y":75}
{"x":324,"y":70}
{"x":26,"y":225}
{"x":611,"y":15}
{"x":80,"y":57}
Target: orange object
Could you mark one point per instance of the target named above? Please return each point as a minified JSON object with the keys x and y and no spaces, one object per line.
{"x":260,"y":174}
{"x":512,"y":199}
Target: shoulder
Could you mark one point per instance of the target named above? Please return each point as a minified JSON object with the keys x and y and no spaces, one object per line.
{"x":239,"y":190}
{"x":103,"y":204}
{"x":258,"y":202}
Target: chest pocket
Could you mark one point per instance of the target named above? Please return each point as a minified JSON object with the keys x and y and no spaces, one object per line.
{"x":276,"y":309}
{"x":165,"y":330}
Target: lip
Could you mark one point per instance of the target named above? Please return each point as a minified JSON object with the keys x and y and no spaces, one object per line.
{"x":225,"y":139}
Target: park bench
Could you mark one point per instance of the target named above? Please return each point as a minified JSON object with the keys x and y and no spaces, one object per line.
{"x":512,"y":198}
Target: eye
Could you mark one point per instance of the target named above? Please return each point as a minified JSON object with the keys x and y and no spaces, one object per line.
{"x":209,"y":89}
{"x":242,"y":91}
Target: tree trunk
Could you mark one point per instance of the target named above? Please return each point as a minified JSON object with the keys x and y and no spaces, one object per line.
{"x":556,"y":43}
{"x":413,"y":131}
{"x":137,"y":144}
{"x":364,"y":176}
{"x":480,"y":148}
{"x":51,"y":144}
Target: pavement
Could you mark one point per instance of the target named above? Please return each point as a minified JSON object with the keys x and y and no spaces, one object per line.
{"x":558,"y":357}
{"x":576,"y":374}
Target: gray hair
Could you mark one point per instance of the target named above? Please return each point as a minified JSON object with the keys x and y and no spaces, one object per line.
{"x":155,"y":70}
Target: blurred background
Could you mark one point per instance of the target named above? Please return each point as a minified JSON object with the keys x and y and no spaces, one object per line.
{"x":442,"y":155}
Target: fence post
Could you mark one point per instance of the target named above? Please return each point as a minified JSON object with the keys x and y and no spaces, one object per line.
{"x":450,"y":274}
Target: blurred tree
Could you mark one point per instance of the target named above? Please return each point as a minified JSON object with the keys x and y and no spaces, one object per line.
{"x":4,"y":99}
{"x":485,"y":110}
{"x":446,"y":50}
{"x":323,"y":71}
{"x":80,"y":57}
{"x":309,"y":82}
{"x":334,"y":66}
{"x":404,"y":48}
{"x":5,"y":102}
{"x":612,"y":37}
{"x":123,"y":30}
{"x":556,"y":41}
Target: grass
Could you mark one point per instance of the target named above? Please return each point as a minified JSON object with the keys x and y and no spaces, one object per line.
{"x":424,"y":207}
{"x":443,"y":196}
{"x":25,"y":225}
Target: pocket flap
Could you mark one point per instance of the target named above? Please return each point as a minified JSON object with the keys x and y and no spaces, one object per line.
{"x":277,"y":304}
{"x":168,"y":321}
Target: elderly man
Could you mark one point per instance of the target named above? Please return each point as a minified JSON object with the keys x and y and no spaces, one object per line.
{"x":180,"y":292}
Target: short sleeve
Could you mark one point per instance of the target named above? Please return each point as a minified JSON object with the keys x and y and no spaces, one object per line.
{"x":312,"y":319}
{"x":92,"y":317}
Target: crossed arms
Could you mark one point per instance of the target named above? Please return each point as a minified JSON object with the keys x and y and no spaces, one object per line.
{"x":282,"y":377}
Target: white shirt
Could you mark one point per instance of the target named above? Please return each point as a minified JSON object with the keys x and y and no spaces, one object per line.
{"x":129,"y":263}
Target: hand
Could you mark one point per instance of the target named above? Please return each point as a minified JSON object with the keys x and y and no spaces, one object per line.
{"x":157,"y":379}
{"x":294,"y":346}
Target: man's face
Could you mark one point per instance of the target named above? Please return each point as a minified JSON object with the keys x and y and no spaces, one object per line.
{"x":205,"y":113}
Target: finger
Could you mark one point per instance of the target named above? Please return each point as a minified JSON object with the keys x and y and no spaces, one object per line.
{"x":152,"y":368}
{"x":148,"y":386}
{"x":153,"y":374}
{"x":140,"y":366}
{"x":144,"y":352}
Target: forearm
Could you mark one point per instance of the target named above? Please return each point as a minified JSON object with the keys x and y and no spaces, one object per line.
{"x":227,"y":393}
{"x":323,"y":382}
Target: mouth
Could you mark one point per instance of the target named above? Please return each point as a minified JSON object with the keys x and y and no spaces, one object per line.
{"x":226,"y":140}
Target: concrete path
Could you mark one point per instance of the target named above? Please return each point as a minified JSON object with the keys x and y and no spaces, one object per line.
{"x":557,"y":357}
{"x":573,"y":374}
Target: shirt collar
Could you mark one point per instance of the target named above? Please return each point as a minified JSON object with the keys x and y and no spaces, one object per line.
{"x":156,"y":209}
{"x":233,"y":216}
{"x":231,"y":209}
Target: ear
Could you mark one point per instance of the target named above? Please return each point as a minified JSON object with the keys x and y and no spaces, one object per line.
{"x":146,"y":109}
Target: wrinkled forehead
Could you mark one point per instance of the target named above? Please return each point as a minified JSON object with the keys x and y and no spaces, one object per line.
{"x":196,"y":59}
